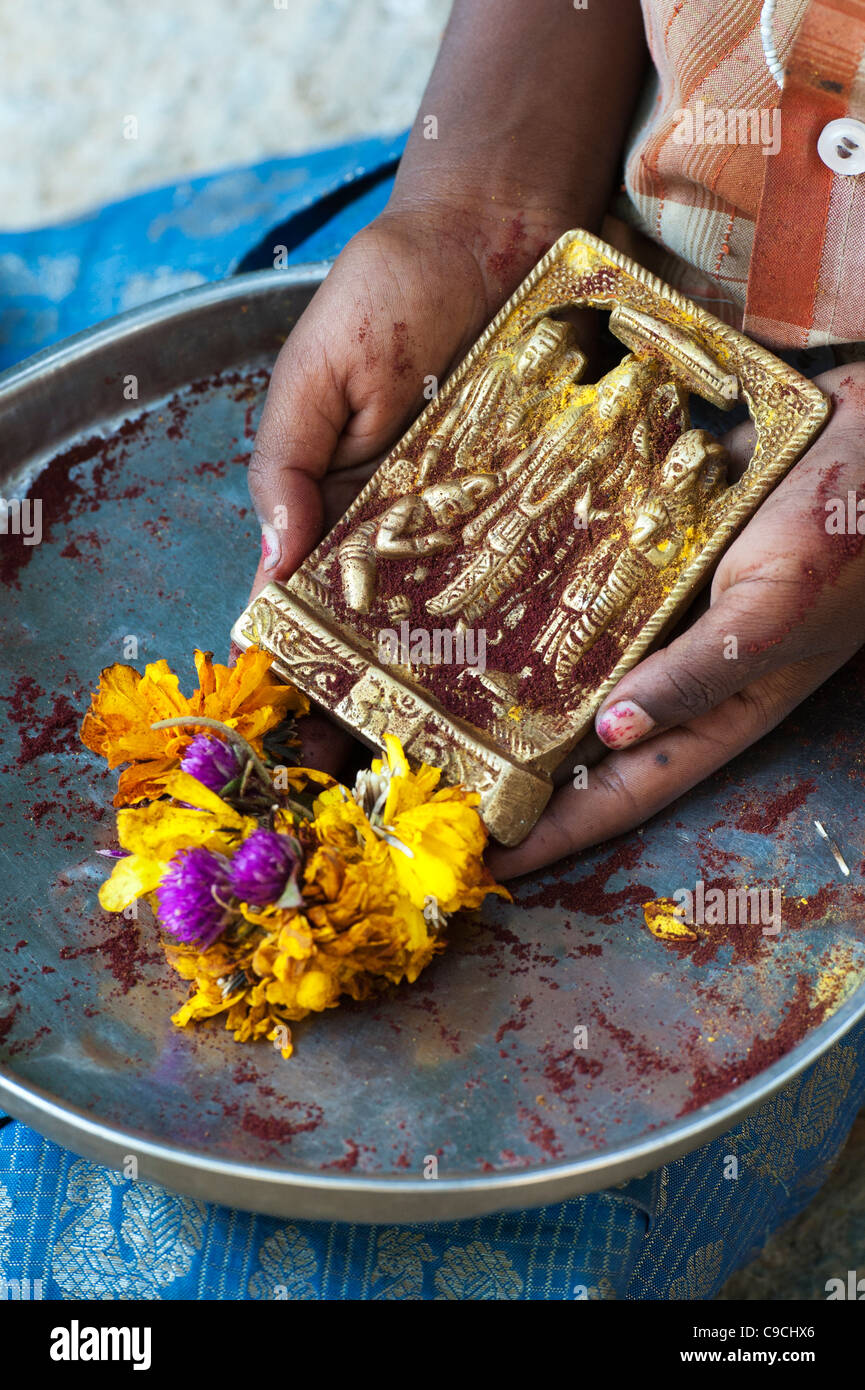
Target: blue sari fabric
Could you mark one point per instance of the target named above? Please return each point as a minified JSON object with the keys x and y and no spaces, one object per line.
{"x":72,"y":1229}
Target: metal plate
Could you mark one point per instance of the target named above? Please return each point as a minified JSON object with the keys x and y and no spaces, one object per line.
{"x":148,"y":534}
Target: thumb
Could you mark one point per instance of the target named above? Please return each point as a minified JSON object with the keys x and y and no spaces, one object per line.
{"x":304,"y":414}
{"x":740,"y":639}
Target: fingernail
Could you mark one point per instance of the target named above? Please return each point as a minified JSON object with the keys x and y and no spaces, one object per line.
{"x":622,"y":724}
{"x":270,"y":546}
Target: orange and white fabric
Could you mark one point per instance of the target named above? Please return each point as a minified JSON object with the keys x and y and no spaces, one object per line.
{"x":760,"y":230}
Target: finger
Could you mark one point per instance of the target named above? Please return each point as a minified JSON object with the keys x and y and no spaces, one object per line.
{"x":627,"y":788}
{"x":791,"y":593}
{"x":747,"y":634}
{"x":303,"y":416}
{"x":739,"y":443}
{"x":323,"y":744}
{"x":331,"y":407}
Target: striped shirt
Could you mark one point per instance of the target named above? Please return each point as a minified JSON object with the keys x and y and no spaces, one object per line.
{"x":722,"y":173}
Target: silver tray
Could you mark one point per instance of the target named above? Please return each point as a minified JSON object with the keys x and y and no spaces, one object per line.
{"x":148,"y":533}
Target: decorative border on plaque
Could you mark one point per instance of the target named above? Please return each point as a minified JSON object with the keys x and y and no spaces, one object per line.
{"x":370,"y":702}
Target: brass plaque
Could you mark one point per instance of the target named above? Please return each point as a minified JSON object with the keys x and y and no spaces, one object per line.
{"x":532,"y":535}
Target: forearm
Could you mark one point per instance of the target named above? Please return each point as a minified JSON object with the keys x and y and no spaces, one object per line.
{"x":531,"y":104}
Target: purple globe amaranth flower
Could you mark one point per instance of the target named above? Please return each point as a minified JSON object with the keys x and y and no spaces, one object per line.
{"x":210,"y":761}
{"x":187,"y":905}
{"x":264,"y":868}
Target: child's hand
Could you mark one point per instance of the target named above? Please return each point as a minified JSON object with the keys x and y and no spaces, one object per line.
{"x":518,"y":138}
{"x":403,"y":302}
{"x":791,"y":594}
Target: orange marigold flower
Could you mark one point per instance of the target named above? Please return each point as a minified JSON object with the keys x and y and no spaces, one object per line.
{"x":122,"y":710}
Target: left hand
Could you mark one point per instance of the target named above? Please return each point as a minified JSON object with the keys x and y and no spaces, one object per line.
{"x":792,"y":595}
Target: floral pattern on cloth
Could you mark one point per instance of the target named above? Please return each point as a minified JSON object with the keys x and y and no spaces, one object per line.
{"x":125,"y":1239}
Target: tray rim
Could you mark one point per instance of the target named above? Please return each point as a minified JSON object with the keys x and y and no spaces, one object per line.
{"x":155,"y":311}
{"x":370,"y":1199}
{"x":357,"y":1197}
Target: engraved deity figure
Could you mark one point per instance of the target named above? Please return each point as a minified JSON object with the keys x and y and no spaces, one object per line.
{"x":497,"y":398}
{"x":593,"y":438}
{"x":692,"y":476}
{"x":426,"y":522}
{"x":417,"y":525}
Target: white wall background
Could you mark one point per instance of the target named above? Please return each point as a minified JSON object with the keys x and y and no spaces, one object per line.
{"x":212,"y":83}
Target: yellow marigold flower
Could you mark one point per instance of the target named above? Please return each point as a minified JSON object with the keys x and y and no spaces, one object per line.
{"x":117,"y":725}
{"x":315,"y":990}
{"x":434,"y":839}
{"x":407,"y":789}
{"x":341,"y":824}
{"x":221,"y":961}
{"x":383,"y":865}
{"x":364,"y":922}
{"x":291,"y":940}
{"x":247,"y":1013}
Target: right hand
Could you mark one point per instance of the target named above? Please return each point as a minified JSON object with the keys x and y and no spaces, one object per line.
{"x":404,"y":301}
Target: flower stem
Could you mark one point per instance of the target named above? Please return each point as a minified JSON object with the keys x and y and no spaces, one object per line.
{"x":244,"y":779}
{"x":232,"y":735}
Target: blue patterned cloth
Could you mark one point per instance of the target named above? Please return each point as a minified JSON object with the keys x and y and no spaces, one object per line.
{"x":76,"y":1230}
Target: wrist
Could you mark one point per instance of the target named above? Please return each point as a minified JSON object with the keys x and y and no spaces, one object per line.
{"x":505,"y":228}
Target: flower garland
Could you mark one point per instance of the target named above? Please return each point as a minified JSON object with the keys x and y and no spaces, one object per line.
{"x":279,"y":890}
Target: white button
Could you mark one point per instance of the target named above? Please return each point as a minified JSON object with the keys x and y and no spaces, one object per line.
{"x":842,"y":146}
